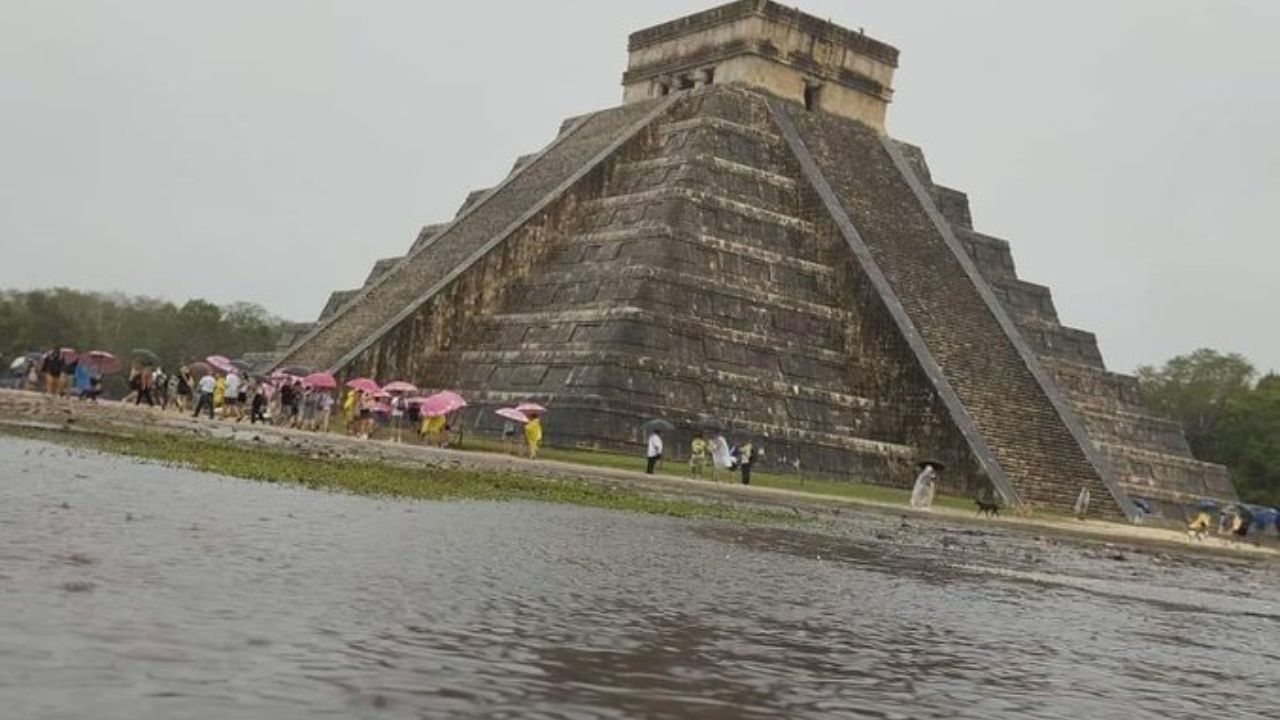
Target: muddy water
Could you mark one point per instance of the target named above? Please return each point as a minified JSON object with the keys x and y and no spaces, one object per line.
{"x":138,"y":591}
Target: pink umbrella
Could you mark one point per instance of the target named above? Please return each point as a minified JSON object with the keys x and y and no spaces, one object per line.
{"x":400,"y":387}
{"x":220,"y":363}
{"x":69,"y":355}
{"x":104,"y":361}
{"x":512,"y":414}
{"x":320,"y":381}
{"x":382,"y":409}
{"x":442,"y":403}
{"x":529,"y":407}
{"x":364,"y":385}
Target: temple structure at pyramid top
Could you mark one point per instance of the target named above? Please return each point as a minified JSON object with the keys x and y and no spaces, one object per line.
{"x":769,"y":47}
{"x":741,"y":248}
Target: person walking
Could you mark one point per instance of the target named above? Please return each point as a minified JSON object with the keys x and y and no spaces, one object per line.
{"x":183,"y":392}
{"x":926,"y":486}
{"x":746,"y":459}
{"x":205,"y":388}
{"x":721,"y":457}
{"x":146,"y":378}
{"x":258,"y":410}
{"x":654,"y":451}
{"x":533,"y":436}
{"x":697,"y":455}
{"x":52,"y":367}
{"x":324,"y":411}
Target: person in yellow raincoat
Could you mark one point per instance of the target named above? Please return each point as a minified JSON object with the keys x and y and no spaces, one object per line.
{"x":219,"y":391}
{"x":349,"y":405}
{"x":1199,"y":526}
{"x":533,"y":436}
{"x":433,"y":429}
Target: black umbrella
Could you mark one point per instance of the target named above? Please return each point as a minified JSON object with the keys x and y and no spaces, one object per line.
{"x":146,"y":356}
{"x":295,"y":370}
{"x":931,"y":463}
{"x":658,"y":424}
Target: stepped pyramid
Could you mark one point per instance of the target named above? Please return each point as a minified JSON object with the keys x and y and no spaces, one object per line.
{"x":742,"y":240}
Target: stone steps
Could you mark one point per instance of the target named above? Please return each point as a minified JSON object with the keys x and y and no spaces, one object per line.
{"x":606,"y":245}
{"x":707,"y":173}
{"x":596,"y":324}
{"x":1139,"y":430}
{"x":412,"y":282}
{"x":1027,"y":437}
{"x":1165,"y":476}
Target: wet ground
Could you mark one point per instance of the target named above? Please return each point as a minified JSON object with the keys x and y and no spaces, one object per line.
{"x":139,"y":591}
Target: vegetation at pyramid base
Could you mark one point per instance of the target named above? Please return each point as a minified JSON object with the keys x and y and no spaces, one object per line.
{"x":41,"y":319}
{"x":1230,"y":416}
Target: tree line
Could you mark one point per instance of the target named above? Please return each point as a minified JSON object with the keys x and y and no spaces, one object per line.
{"x":1230,"y":412}
{"x":38,"y":320}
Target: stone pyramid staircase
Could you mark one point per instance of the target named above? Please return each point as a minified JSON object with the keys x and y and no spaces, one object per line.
{"x":1024,"y":434}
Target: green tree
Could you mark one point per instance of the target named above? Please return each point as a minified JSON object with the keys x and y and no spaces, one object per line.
{"x":1248,"y":441}
{"x":41,"y":319}
{"x":1194,"y":389}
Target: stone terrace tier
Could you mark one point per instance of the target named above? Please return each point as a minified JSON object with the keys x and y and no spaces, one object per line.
{"x":392,"y":297}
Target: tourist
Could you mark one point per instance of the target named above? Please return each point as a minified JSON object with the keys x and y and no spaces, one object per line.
{"x":33,"y":376}
{"x":653,"y":452}
{"x":220,"y":392}
{"x":721,"y":457}
{"x":295,"y":404}
{"x":160,"y":387}
{"x":285,"y":397}
{"x":52,"y":366}
{"x":1082,"y":503}
{"x":397,"y":415}
{"x":533,"y":436}
{"x":82,"y":381}
{"x":349,"y":402}
{"x":350,"y":410}
{"x":183,"y":390}
{"x":747,"y":454}
{"x":697,"y":455}
{"x":258,"y":409}
{"x":206,"y":387}
{"x":145,"y":379}
{"x":508,"y":437}
{"x":365,"y":422}
{"x":433,"y":430}
{"x":926,"y":485}
{"x":324,"y":410}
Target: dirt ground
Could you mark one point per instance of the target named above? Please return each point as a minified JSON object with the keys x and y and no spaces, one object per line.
{"x":947,"y":530}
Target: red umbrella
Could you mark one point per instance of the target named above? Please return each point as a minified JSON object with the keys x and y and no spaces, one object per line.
{"x":104,"y":361}
{"x":69,"y":355}
{"x":442,"y":403}
{"x":364,"y":385}
{"x":400,"y":387}
{"x":199,"y":370}
{"x":320,"y":381}
{"x":512,"y":414}
{"x":220,"y":363}
{"x":529,"y":407}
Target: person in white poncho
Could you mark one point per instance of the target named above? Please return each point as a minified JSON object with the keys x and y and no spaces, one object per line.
{"x":926,"y":485}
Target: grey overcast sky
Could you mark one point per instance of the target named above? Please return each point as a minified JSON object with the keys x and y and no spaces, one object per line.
{"x":271,"y":150}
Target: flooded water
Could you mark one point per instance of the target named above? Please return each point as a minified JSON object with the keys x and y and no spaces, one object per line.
{"x":138,"y":591}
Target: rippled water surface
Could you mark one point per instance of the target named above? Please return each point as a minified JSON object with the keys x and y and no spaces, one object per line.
{"x":138,"y":591}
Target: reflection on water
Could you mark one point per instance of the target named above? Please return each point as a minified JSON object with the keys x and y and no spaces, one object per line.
{"x":130,"y":591}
